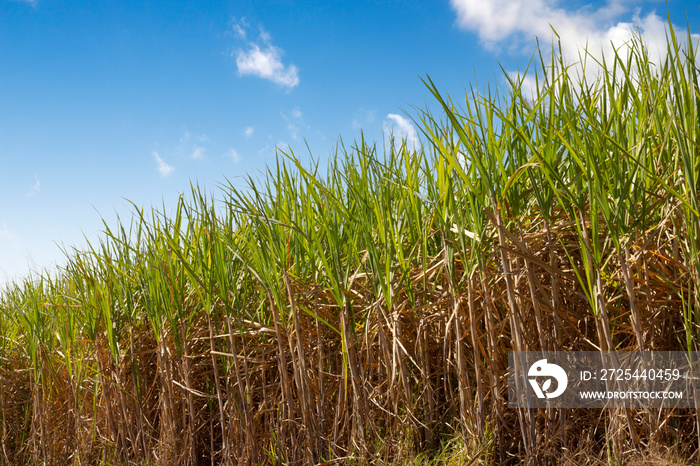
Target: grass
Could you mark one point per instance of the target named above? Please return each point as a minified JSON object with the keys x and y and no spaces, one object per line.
{"x":365,"y":314}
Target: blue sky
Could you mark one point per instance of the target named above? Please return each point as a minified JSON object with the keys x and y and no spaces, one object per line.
{"x":102,"y":101}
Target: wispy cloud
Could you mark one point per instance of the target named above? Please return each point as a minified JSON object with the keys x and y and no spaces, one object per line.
{"x":264,"y":60}
{"x":163,"y":168}
{"x":197,"y":153}
{"x":267,"y":64}
{"x":265,"y":36}
{"x":401,"y":129}
{"x":36,"y":187}
{"x":5,"y":233}
{"x":239,"y":27}
{"x":365,"y":117}
{"x":191,"y":145}
{"x":233,"y":155}
{"x":283,"y":147}
{"x":295,"y":120}
{"x":601,"y":31}
{"x":249,"y":131}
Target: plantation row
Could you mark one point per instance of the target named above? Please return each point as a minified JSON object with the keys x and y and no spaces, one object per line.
{"x":366,"y":314}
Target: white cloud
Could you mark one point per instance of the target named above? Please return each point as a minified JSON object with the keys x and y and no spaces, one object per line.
{"x":197,"y":153}
{"x":36,"y":187}
{"x":263,"y":59}
{"x":265,"y":36}
{"x":239,"y":27}
{"x":163,"y":168}
{"x":265,"y":150}
{"x":496,"y":20}
{"x":233,"y":154}
{"x":249,"y":131}
{"x":267,"y":64}
{"x":190,"y":145}
{"x":499,"y":22}
{"x":401,"y":129}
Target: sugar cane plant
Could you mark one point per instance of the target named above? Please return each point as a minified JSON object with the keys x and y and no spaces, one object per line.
{"x":365,"y":314}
